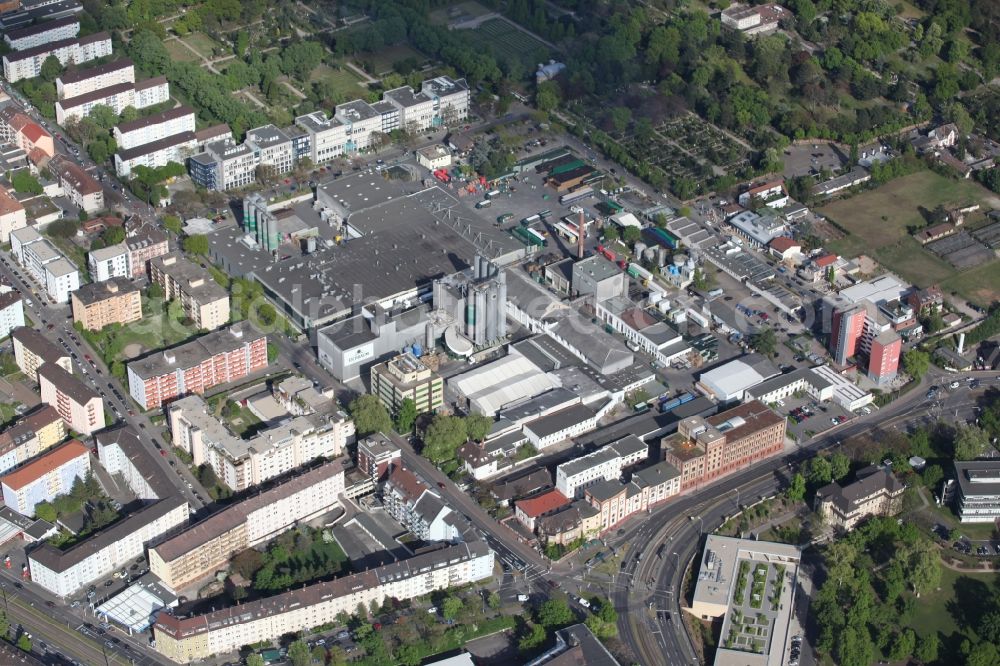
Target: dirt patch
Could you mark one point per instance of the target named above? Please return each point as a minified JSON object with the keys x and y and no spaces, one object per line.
{"x":133,"y":350}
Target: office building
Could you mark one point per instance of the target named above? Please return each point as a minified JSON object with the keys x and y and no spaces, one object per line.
{"x":12,"y":215}
{"x":11,"y":310}
{"x":87,"y":80}
{"x":875,"y":492}
{"x":207,"y":546}
{"x":418,"y":508}
{"x":99,"y":304}
{"x":77,"y":185}
{"x":223,"y":165}
{"x":726,"y":575}
{"x":27,"y":64}
{"x":203,"y":636}
{"x":61,"y":279}
{"x":327,"y":137}
{"x":109,"y":262}
{"x":706,"y":449}
{"x":46,"y":477}
{"x":450,"y":98}
{"x":205,"y":301}
{"x":32,"y":350}
{"x":79,"y":406}
{"x":605,"y":464}
{"x":20,"y":130}
{"x":975,"y":491}
{"x":218,"y":357}
{"x":42,"y":33}
{"x":598,"y":277}
{"x":406,"y":377}
{"x":243,"y":463}
{"x":29,"y":436}
{"x":64,"y":572}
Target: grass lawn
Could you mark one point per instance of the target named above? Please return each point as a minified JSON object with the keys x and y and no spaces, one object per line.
{"x":179,"y":52}
{"x":72,"y":251}
{"x":7,"y":412}
{"x":242,"y":421}
{"x":907,"y":258}
{"x":981,"y":285}
{"x":202,"y":43}
{"x":154,"y":331}
{"x":344,"y":81}
{"x":955,"y":606}
{"x":384,"y":59}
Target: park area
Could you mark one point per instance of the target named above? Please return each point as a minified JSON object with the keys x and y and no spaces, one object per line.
{"x":161,"y":326}
{"x":879,"y":222}
{"x":178,"y":52}
{"x":955,"y":607}
{"x":342,"y":80}
{"x":510,"y":43}
{"x":382,"y":61}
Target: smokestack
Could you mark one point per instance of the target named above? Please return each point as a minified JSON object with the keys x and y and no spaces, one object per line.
{"x":961,"y":343}
{"x":580,"y":231}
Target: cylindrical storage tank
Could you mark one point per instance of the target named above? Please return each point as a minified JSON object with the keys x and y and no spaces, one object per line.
{"x":429,"y":336}
{"x":661,"y":258}
{"x":649,"y":254}
{"x":418,"y":351}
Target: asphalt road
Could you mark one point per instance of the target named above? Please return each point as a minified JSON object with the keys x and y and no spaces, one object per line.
{"x":647,"y":591}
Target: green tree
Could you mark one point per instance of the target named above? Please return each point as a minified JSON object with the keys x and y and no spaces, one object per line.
{"x":4,"y":625}
{"x":113,"y":235}
{"x":932,"y":476}
{"x":299,"y":653}
{"x":477,"y":426}
{"x":555,"y":614}
{"x":493,"y":601}
{"x":971,"y":442}
{"x":64,"y":228}
{"x":51,"y":69}
{"x":173,"y":224}
{"x":196,"y":244}
{"x":902,"y":645}
{"x":118,"y":369}
{"x":369,"y":415}
{"x":24,"y":182}
{"x":272,"y":352}
{"x":254,"y":659}
{"x":406,"y":417}
{"x":154,"y":291}
{"x":840,"y":466}
{"x":631,"y":234}
{"x":610,"y":233}
{"x":103,"y":115}
{"x":24,"y":643}
{"x":924,"y":567}
{"x":927,"y":647}
{"x":547,"y":96}
{"x":916,"y":363}
{"x":442,"y":437}
{"x":409,"y":655}
{"x":45,"y":511}
{"x":764,"y":341}
{"x":796,"y":491}
{"x":451,"y":608}
{"x":534,"y":639}
{"x":820,"y":472}
{"x":982,"y":654}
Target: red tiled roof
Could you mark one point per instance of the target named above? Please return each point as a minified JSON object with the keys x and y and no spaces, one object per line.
{"x":405,"y":481}
{"x":37,"y":155}
{"x":825,"y":260}
{"x":53,"y":460}
{"x":537,"y":506}
{"x":34,"y":132}
{"x":8,"y":204}
{"x":783,"y":244}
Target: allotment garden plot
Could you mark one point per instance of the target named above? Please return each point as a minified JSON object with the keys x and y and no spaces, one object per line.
{"x":509,"y":42}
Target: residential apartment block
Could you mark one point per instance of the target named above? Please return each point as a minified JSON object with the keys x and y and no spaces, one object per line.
{"x":377,"y":454}
{"x":154,"y":155}
{"x":32,"y":350}
{"x":46,"y":477}
{"x":108,"y":262}
{"x":875,"y":492}
{"x":12,"y":215}
{"x":605,"y":464}
{"x":143,"y":131}
{"x":77,"y":185}
{"x":224,"y":164}
{"x":417,"y":508}
{"x":87,"y":80}
{"x":205,"y":547}
{"x":529,"y":510}
{"x":218,"y":357}
{"x":406,"y":376}
{"x":202,"y":636}
{"x":27,"y":64}
{"x":122,"y":452}
{"x":44,"y":263}
{"x":298,"y":396}
{"x":244,"y":463}
{"x":11,"y":310}
{"x":615,"y":501}
{"x":706,"y":449}
{"x":64,"y":572}
{"x":31,"y":435}
{"x":205,"y":301}
{"x":117,"y":97}
{"x":19,"y":129}
{"x":42,"y":33}
{"x":145,"y":241}
{"x":99,"y":304}
{"x":79,"y":406}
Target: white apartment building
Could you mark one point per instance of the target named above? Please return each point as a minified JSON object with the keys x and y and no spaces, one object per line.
{"x":156,"y":154}
{"x":80,"y":407}
{"x":39,"y":34}
{"x":122,"y":452}
{"x":77,"y":184}
{"x":61,"y":279}
{"x":327,"y":136}
{"x":11,"y":310}
{"x":109,"y":262}
{"x":63,"y":572}
{"x":360,"y":121}
{"x":46,"y":477}
{"x":151,"y":91}
{"x":199,"y":637}
{"x":83,"y":81}
{"x":244,"y":463}
{"x":27,"y":64}
{"x":118,"y":97}
{"x":144,"y":131}
{"x":417,"y":508}
{"x":12,"y":215}
{"x":605,"y":464}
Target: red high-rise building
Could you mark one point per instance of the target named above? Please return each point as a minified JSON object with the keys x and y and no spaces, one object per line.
{"x":846,"y":327}
{"x":883,"y":361}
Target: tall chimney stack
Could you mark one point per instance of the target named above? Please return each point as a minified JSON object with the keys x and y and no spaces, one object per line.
{"x":580,"y":232}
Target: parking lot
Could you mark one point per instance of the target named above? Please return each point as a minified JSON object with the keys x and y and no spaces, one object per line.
{"x":807,"y":417}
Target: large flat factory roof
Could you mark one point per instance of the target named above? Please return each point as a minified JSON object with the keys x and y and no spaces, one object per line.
{"x":405,"y":243}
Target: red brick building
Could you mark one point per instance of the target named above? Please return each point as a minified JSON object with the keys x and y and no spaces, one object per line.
{"x":704,"y":450}
{"x":218,"y":357}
